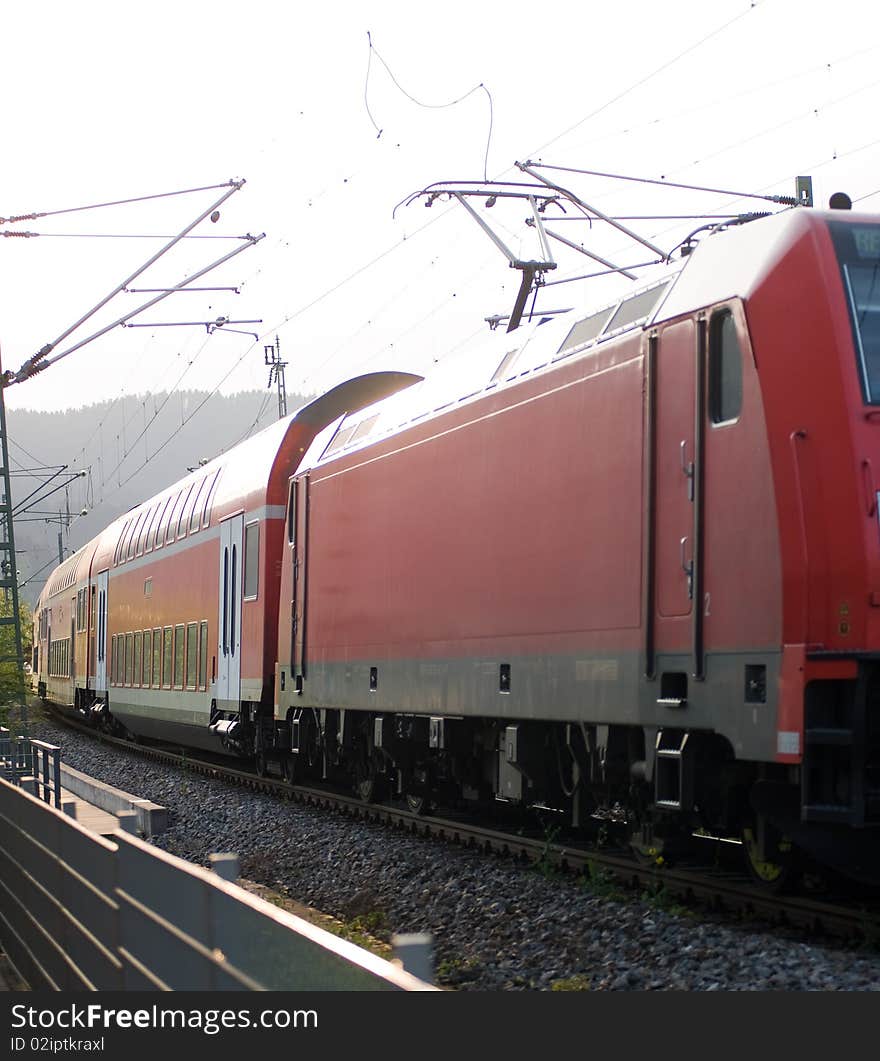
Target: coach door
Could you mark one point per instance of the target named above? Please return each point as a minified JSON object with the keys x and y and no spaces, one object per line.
{"x":229,"y":625}
{"x":297,"y":536}
{"x":101,"y":633}
{"x":71,"y":660}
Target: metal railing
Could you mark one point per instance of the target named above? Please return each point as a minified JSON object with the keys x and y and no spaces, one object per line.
{"x":22,"y":757}
{"x":82,"y":912}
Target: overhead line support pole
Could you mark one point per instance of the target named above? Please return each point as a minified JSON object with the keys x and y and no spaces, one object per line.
{"x":122,"y":320}
{"x":39,"y":358}
{"x":9,"y":580}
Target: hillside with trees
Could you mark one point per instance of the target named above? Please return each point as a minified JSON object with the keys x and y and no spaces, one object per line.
{"x":125,"y":450}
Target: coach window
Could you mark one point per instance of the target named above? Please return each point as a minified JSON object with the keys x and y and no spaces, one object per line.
{"x":159,"y":524}
{"x":118,"y":550}
{"x":195,"y":517}
{"x":139,"y":537}
{"x":132,"y":541}
{"x":167,"y":657}
{"x":136,"y":676}
{"x":148,"y":536}
{"x":251,"y":560}
{"x":184,"y":514}
{"x":143,"y":544}
{"x":128,"y":659}
{"x":172,"y":518}
{"x":157,"y":657}
{"x":209,"y":499}
{"x":192,"y":654}
{"x":114,"y":660}
{"x":725,"y":369}
{"x":178,"y":656}
{"x":148,"y":655}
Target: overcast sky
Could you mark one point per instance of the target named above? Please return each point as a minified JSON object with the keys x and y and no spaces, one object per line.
{"x":104,"y":101}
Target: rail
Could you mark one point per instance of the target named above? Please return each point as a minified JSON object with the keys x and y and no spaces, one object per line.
{"x":82,"y":912}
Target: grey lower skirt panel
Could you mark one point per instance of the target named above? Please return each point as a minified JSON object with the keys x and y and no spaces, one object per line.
{"x":595,"y":689}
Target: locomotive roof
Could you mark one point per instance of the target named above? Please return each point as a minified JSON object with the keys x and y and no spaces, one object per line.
{"x":502,"y":359}
{"x":724,"y":264}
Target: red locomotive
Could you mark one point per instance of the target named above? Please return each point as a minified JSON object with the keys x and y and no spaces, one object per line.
{"x":624,"y":564}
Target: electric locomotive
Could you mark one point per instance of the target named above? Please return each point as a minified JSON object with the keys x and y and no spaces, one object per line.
{"x":623,"y":565}
{"x":627,"y":568}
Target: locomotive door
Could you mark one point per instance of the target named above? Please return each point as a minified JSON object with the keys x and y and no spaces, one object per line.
{"x":229,"y":619}
{"x":101,"y":634}
{"x":675,"y":485}
{"x":298,"y":539}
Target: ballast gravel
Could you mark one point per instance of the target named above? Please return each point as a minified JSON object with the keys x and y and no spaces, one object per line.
{"x":497,"y":925}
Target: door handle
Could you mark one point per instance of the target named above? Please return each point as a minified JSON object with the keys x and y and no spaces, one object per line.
{"x":688,"y":567}
{"x":687,"y":468}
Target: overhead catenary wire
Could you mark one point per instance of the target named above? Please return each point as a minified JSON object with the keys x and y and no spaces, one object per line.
{"x":648,"y":77}
{"x":303,"y":309}
{"x":156,"y":412}
{"x":187,"y":419}
{"x":420,"y":103}
{"x":715,"y":103}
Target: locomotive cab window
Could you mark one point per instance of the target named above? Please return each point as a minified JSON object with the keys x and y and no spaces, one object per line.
{"x":858,"y":251}
{"x":725,"y":369}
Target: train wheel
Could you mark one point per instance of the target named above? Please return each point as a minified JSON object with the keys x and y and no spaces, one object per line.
{"x":659,"y":846}
{"x":417,"y":803}
{"x":288,"y":769}
{"x":773,"y":868}
{"x":366,"y":778}
{"x":261,"y":764}
{"x":365,"y":787}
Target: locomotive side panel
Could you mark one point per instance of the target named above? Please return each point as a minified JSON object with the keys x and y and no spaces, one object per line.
{"x":483,"y":564}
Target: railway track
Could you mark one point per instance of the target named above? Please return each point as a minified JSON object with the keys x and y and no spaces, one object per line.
{"x":705,"y":883}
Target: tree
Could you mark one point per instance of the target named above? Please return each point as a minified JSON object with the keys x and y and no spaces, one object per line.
{"x":12,"y":679}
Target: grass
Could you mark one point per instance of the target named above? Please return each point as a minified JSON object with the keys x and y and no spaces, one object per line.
{"x":658,"y":897}
{"x":578,"y":982}
{"x":544,"y":864}
{"x":600,"y":882}
{"x":363,"y":929}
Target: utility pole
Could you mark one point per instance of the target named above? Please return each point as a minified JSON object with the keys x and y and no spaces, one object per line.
{"x":8,"y":568}
{"x":272,"y":354}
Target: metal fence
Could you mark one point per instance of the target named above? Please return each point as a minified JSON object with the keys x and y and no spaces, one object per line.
{"x":22,"y":757}
{"x":83,"y":912}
